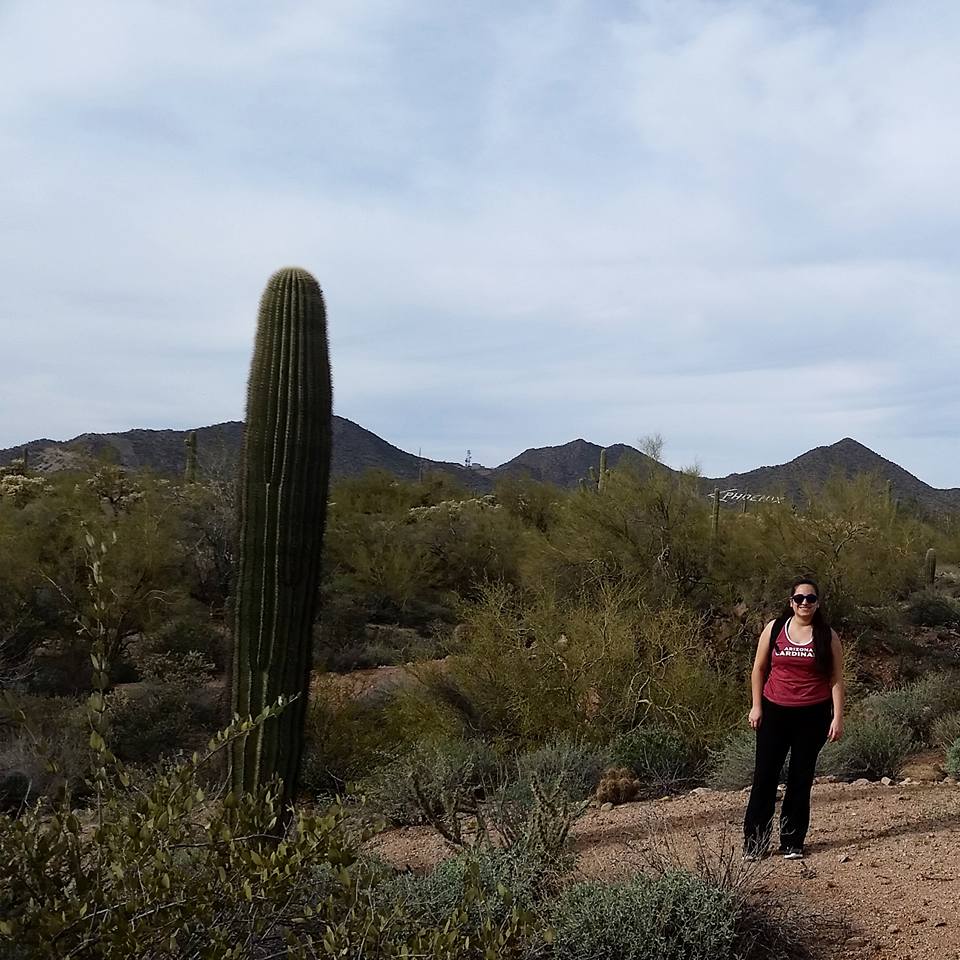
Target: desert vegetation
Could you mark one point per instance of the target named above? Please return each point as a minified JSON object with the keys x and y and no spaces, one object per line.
{"x":543,"y":649}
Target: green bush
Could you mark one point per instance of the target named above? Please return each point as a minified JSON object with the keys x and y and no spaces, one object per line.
{"x":916,"y":706}
{"x":931,"y":609}
{"x":952,"y":765}
{"x":565,"y":766}
{"x":505,"y":879}
{"x":159,"y":722}
{"x":870,"y":748}
{"x":168,"y":871}
{"x":734,"y":763}
{"x":44,"y":745}
{"x":658,"y":755}
{"x":944,"y":730}
{"x":443,"y":773}
{"x":180,"y":636}
{"x":346,"y":740}
{"x":673,"y":916}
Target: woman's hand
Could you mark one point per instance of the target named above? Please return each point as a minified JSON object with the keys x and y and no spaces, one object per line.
{"x":836,"y":729}
{"x":756,"y":714}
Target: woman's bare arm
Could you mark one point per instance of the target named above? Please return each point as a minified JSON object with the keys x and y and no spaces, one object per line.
{"x":837,"y":691}
{"x":758,"y":675}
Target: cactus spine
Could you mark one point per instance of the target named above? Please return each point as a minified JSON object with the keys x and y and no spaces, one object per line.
{"x":190,"y":471}
{"x":930,"y":566}
{"x":283,"y":499}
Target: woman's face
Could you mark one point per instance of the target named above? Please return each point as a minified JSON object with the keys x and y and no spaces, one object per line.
{"x":804,"y":601}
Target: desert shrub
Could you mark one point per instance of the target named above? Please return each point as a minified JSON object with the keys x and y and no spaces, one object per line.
{"x":848,"y":532}
{"x":532,"y":667}
{"x":673,"y":916}
{"x":917,"y":705}
{"x":565,"y":766}
{"x":658,"y":755}
{"x":506,"y":878}
{"x":429,"y":780}
{"x":931,"y":609}
{"x":952,"y":764}
{"x":346,"y":739}
{"x":159,"y":722}
{"x":536,"y":504}
{"x":944,"y":730}
{"x":870,"y":748}
{"x":15,"y":790}
{"x":187,"y":633}
{"x":733,"y":764}
{"x":186,"y":670}
{"x":43,"y":743}
{"x":171,"y":871}
{"x":344,"y":641}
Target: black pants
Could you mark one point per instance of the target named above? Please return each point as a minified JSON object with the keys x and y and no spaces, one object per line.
{"x":802,"y":731}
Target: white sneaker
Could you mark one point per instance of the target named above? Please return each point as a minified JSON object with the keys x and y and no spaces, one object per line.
{"x":793,"y":853}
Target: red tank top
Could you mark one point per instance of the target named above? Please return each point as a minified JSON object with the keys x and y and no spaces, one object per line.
{"x":795,"y":679}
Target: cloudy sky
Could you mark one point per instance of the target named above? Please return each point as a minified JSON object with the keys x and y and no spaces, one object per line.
{"x":730,"y":222}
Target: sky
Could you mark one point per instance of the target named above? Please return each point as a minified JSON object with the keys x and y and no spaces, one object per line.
{"x":733,"y":223}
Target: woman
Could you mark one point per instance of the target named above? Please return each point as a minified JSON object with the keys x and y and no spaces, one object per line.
{"x":797,"y":684}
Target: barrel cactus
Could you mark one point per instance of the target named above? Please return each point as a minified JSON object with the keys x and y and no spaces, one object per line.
{"x":283,"y":497}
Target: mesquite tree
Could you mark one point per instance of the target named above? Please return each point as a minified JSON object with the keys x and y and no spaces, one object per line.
{"x":283,"y":498}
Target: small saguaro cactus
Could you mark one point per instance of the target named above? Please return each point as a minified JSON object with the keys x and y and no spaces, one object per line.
{"x":930,"y":566}
{"x":283,"y":500}
{"x":190,"y":470}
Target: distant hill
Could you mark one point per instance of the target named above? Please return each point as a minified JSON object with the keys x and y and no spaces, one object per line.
{"x":848,"y":458}
{"x":356,"y":450}
{"x":566,"y":465}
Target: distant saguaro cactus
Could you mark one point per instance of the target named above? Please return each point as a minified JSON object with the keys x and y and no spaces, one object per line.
{"x":602,"y":476}
{"x":715,"y":517}
{"x":190,"y":470}
{"x":283,"y":500}
{"x":930,"y":566}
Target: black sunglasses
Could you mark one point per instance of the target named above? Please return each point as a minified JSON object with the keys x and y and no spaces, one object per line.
{"x":799,"y":598}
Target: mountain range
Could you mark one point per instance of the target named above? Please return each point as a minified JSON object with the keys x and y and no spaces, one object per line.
{"x":356,"y":450}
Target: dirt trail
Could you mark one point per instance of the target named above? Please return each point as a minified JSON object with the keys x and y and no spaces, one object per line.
{"x":885,"y":859}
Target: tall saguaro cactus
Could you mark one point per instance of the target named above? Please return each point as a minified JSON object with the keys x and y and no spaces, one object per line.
{"x":930,"y":566}
{"x":603,"y":474}
{"x":190,"y":470}
{"x":283,"y":499}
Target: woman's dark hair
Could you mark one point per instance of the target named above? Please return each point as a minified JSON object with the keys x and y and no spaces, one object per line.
{"x":822,"y":634}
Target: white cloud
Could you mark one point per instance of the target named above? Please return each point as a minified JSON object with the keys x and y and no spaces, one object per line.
{"x":531,"y":222}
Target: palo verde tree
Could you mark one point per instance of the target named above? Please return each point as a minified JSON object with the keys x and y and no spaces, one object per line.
{"x":283,"y":498}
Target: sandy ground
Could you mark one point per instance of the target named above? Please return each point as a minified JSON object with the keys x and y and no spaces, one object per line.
{"x":885,"y":860}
